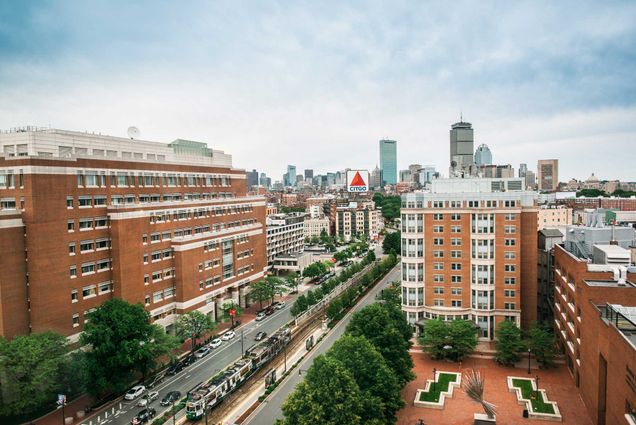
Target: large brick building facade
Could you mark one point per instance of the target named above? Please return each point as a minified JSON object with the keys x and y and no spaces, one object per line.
{"x":85,"y":218}
{"x":469,"y":251}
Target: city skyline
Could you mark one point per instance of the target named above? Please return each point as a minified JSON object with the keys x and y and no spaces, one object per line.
{"x":181,"y":72}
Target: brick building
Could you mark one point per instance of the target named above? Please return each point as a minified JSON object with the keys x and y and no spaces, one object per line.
{"x":594,"y":317}
{"x":85,"y":218}
{"x":469,"y":251}
{"x":357,"y":219}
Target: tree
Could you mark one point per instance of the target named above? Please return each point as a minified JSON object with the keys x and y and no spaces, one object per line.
{"x":342,"y":256}
{"x":370,"y":256}
{"x":314,"y":270}
{"x":229,"y":306}
{"x":122,"y":341}
{"x":30,"y":366}
{"x":377,"y":382}
{"x":299,"y":306}
{"x":448,"y":340}
{"x":590,"y":193}
{"x":193,"y":324}
{"x":259,"y":291}
{"x":275,"y":286}
{"x":509,"y":343}
{"x":542,"y":344}
{"x":291,"y":282}
{"x":392,"y":242}
{"x":334,"y":309}
{"x":328,"y":396}
{"x":377,"y":324}
{"x":324,"y":237}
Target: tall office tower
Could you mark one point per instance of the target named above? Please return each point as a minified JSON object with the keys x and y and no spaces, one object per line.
{"x":376,"y":178}
{"x":415,"y":170}
{"x":461,"y":149}
{"x":405,"y":175}
{"x":388,"y":161}
{"x":165,"y":225}
{"x":263,"y":180}
{"x":427,"y":174}
{"x":469,"y":251}
{"x":483,"y":156}
{"x":548,"y":174}
{"x":531,"y":180}
{"x":290,"y":180}
{"x":252,"y":178}
{"x":299,"y":180}
{"x":309,"y":174}
{"x":523,"y":169}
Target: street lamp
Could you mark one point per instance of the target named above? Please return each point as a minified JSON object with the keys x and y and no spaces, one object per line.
{"x":434,"y":375}
{"x":529,"y":361}
{"x":536,"y":395}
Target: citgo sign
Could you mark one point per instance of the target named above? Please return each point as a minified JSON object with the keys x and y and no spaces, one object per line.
{"x":357,"y":181}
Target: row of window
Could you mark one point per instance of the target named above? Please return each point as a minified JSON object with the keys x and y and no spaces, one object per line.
{"x":158,"y":255}
{"x":89,"y":245}
{"x":88,"y":223}
{"x":129,"y":179}
{"x":91,"y":267}
{"x":92,"y":291}
{"x":159,"y":275}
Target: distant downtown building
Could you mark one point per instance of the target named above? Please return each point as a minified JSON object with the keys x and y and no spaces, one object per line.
{"x":309,"y":175}
{"x":548,"y":174}
{"x":469,"y":251}
{"x":289,"y":178}
{"x":483,"y":156}
{"x":168,"y":226}
{"x":388,"y":161}
{"x":461,"y":149}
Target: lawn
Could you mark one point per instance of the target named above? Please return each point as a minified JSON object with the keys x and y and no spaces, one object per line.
{"x":443,"y":381}
{"x":538,"y":404}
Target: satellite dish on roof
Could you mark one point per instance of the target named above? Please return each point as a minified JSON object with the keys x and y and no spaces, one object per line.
{"x":133,"y":132}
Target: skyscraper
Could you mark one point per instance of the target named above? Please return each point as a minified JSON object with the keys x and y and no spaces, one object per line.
{"x":376,"y":178}
{"x":289,"y":178}
{"x":252,"y":178}
{"x":483,"y":156}
{"x":461,"y":148}
{"x":548,"y":174}
{"x":388,"y":161}
{"x":309,"y":174}
{"x":523,"y":169}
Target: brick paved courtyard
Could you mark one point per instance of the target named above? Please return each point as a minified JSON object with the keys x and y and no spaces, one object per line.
{"x":459,"y":410}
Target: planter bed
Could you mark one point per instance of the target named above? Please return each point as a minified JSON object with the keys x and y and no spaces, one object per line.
{"x":537,"y":403}
{"x":445,"y":382}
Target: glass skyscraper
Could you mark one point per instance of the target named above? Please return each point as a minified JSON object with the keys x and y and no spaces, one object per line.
{"x":388,"y":161}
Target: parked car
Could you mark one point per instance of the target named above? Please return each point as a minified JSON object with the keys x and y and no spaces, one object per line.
{"x":260,"y":335}
{"x":216,"y":342}
{"x":228,"y":335}
{"x":157,"y":380}
{"x":148,"y":398}
{"x":144,"y":416}
{"x":171,"y":397}
{"x":269,"y":311}
{"x":260,"y":316}
{"x":175,"y":368}
{"x":202,"y":352}
{"x":188,"y":361}
{"x":280,"y":305}
{"x":135,"y":392}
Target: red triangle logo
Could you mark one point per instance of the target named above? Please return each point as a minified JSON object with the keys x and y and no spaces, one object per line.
{"x":357,"y":180}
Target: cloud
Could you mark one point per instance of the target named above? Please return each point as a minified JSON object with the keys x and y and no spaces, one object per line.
{"x":317,"y":84}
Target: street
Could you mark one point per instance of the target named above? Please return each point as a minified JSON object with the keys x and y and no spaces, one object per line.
{"x":270,"y":410}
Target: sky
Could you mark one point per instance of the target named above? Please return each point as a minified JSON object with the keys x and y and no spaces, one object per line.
{"x":317,"y":84}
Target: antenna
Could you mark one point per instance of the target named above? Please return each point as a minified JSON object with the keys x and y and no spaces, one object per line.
{"x":461,"y":117}
{"x":133,"y":132}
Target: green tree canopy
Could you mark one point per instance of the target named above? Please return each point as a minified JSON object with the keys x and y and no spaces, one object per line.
{"x":329,"y":395}
{"x":259,"y":292}
{"x":448,"y":340}
{"x":291,"y":282}
{"x":30,"y":367}
{"x":542,"y":344}
{"x":193,"y":325}
{"x":392,"y":242}
{"x":122,"y":341}
{"x":377,"y":382}
{"x":377,"y":323}
{"x":590,"y":193}
{"x":314,"y":270}
{"x":509,"y":343}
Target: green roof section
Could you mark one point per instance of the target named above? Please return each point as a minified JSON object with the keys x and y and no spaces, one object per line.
{"x":190,"y":147}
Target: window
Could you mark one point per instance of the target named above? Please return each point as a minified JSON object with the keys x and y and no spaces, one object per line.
{"x":455,"y":217}
{"x":510,"y":217}
{"x":105,"y":287}
{"x":455,"y":204}
{"x":76,"y":321}
{"x":156,"y":256}
{"x":456,"y":279}
{"x":438,"y":303}
{"x":85,"y":223}
{"x":456,"y":241}
{"x":510,"y":242}
{"x":169,"y":292}
{"x":438,"y":278}
{"x":438,"y":241}
{"x":146,"y":279}
{"x":70,"y":226}
{"x":69,"y":202}
{"x":144,"y":239}
{"x":438,"y":229}
{"x":456,"y":303}
{"x":99,"y":201}
{"x":71,"y":248}
{"x":510,"y":204}
{"x":157,"y":296}
{"x":438,"y":216}
{"x":473,"y":204}
{"x":438,"y":204}
{"x":145,"y":258}
{"x":147,"y":300}
{"x":88,"y":268}
{"x":156,"y":276}
{"x":155,"y":237}
{"x":456,"y":291}
{"x":72,"y":271}
{"x":101,"y":222}
{"x":74,"y":296}
{"x":103,"y":265}
{"x":438,"y":254}
{"x":438,"y":266}
{"x":102,"y":244}
{"x":456,"y":266}
{"x":456,"y":229}
{"x":84,"y":202}
{"x":86,"y":246}
{"x":438,"y":290}
{"x":510,"y":229}
{"x":510,"y":255}
{"x":509,"y":267}
{"x":165,"y":236}
{"x":510,"y":306}
{"x":510,"y":280}
{"x":510,"y":293}
{"x":456,"y":254}
{"x":89,"y":291}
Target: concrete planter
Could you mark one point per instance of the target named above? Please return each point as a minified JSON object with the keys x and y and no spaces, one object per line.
{"x":483,"y":419}
{"x":442,"y":396}
{"x":556,"y":417}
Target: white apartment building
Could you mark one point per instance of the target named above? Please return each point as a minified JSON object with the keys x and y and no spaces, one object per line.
{"x":285,"y":235}
{"x":315,"y":226}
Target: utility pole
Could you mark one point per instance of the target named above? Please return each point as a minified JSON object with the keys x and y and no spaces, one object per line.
{"x":242,"y":351}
